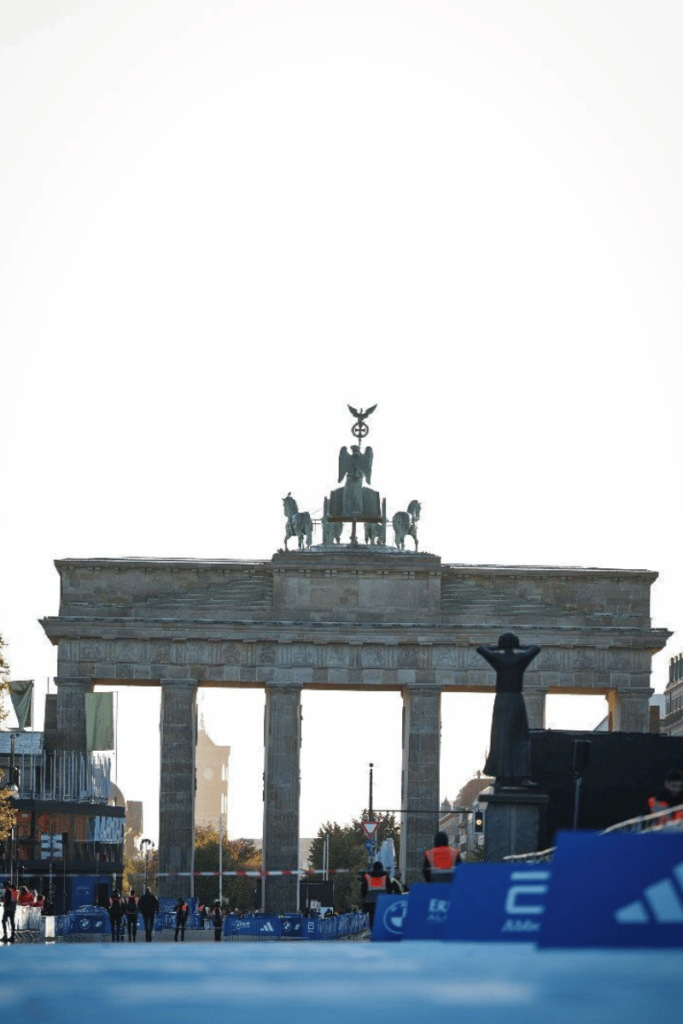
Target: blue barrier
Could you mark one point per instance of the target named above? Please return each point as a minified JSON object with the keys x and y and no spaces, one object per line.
{"x":83,"y":921}
{"x":262,"y":925}
{"x":484,"y":903}
{"x":617,"y":890}
{"x":294,"y":926}
{"x":95,"y":921}
{"x":390,"y":915}
{"x":498,"y":902}
{"x":428,"y":910}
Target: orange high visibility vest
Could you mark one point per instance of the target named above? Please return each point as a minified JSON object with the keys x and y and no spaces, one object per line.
{"x":441,"y":859}
{"x":661,"y":805}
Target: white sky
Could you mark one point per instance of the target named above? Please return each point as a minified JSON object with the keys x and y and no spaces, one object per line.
{"x":221,"y":222}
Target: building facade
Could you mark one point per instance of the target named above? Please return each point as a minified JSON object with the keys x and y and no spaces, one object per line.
{"x":68,"y":839}
{"x":672,"y":722}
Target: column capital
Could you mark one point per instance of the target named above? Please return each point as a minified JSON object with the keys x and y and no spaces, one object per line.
{"x":73,"y":681}
{"x":280,"y":686}
{"x":639,"y":692}
{"x":422,"y":689}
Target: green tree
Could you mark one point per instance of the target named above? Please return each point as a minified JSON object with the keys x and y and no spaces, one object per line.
{"x":134,"y":871}
{"x":238,"y":855}
{"x":347,"y":851}
{"x":7,"y":812}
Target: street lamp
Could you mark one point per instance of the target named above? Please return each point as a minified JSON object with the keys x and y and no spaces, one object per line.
{"x":146,"y":843}
{"x":12,"y":791}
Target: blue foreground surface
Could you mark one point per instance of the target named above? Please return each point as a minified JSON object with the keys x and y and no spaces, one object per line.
{"x":360,"y":982}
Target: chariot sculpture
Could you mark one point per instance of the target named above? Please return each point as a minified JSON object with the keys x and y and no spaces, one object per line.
{"x":354,"y":502}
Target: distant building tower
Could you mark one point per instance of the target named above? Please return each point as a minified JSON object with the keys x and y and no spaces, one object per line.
{"x":212,"y":780}
{"x":672,"y":723}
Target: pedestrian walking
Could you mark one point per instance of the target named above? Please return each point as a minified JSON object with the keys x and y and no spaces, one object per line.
{"x":132,"y":915}
{"x":181,"y":915}
{"x":9,"y":909}
{"x":217,"y":918}
{"x":372,"y":885}
{"x":148,"y":905}
{"x":116,"y":914}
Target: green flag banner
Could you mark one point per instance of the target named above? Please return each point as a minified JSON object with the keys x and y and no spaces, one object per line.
{"x":21,"y":692}
{"x":99,"y":721}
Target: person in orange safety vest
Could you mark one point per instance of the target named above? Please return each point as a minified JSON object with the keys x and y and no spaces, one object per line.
{"x":181,"y":915}
{"x":373,"y":883}
{"x":671,"y":795}
{"x":439,"y":863}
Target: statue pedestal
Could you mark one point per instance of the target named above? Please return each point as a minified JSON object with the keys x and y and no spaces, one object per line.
{"x":512,"y":822}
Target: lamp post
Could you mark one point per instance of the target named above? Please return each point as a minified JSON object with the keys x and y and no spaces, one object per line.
{"x":220,"y":858}
{"x":13,"y":792}
{"x":146,"y":843}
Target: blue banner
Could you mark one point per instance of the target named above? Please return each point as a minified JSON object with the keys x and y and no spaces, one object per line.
{"x":616,"y":890}
{"x":262,"y":925}
{"x":390,"y":915}
{"x":294,"y":926}
{"x":84,"y":921}
{"x":428,"y":910}
{"x":498,"y":902}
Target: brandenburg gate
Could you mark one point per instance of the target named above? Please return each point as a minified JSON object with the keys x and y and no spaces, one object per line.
{"x":360,"y":615}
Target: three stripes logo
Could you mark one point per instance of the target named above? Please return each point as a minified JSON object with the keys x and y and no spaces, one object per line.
{"x":267,"y":927}
{"x":662,"y":903}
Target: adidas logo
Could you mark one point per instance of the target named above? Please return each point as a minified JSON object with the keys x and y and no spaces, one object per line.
{"x":662,"y":903}
{"x":267,"y":927}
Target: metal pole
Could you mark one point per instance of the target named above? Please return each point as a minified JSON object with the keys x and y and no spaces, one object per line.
{"x":146,"y":843}
{"x":370,"y":797}
{"x":15,"y":792}
{"x":577,"y":793}
{"x":220,"y":858}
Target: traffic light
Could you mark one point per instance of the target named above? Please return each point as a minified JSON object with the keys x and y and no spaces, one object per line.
{"x":479,"y":821}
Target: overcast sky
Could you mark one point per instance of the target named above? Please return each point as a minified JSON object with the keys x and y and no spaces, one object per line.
{"x":221,"y":222}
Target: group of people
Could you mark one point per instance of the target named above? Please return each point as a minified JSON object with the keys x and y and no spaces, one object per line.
{"x":14,"y":897}
{"x":439,"y":866}
{"x":214,"y":915}
{"x":123,"y":914}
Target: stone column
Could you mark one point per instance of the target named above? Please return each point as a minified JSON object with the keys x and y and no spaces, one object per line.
{"x":177,"y":786}
{"x":630,"y":710}
{"x":281,"y":797}
{"x":420,"y":790}
{"x":534,"y":698}
{"x":71,"y":693}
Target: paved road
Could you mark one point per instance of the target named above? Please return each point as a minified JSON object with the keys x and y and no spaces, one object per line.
{"x":367,"y":983}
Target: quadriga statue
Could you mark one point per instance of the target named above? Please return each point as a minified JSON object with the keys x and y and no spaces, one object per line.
{"x":299,"y":524}
{"x":405,"y":525}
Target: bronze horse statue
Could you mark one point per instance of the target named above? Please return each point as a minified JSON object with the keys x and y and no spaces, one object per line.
{"x":299,"y":524}
{"x":405,"y":525}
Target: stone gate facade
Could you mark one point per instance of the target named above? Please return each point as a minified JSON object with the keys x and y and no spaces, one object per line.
{"x":337,"y":617}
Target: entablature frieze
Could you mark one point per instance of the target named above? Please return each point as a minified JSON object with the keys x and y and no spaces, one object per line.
{"x":60,"y":629}
{"x":598,"y":660}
